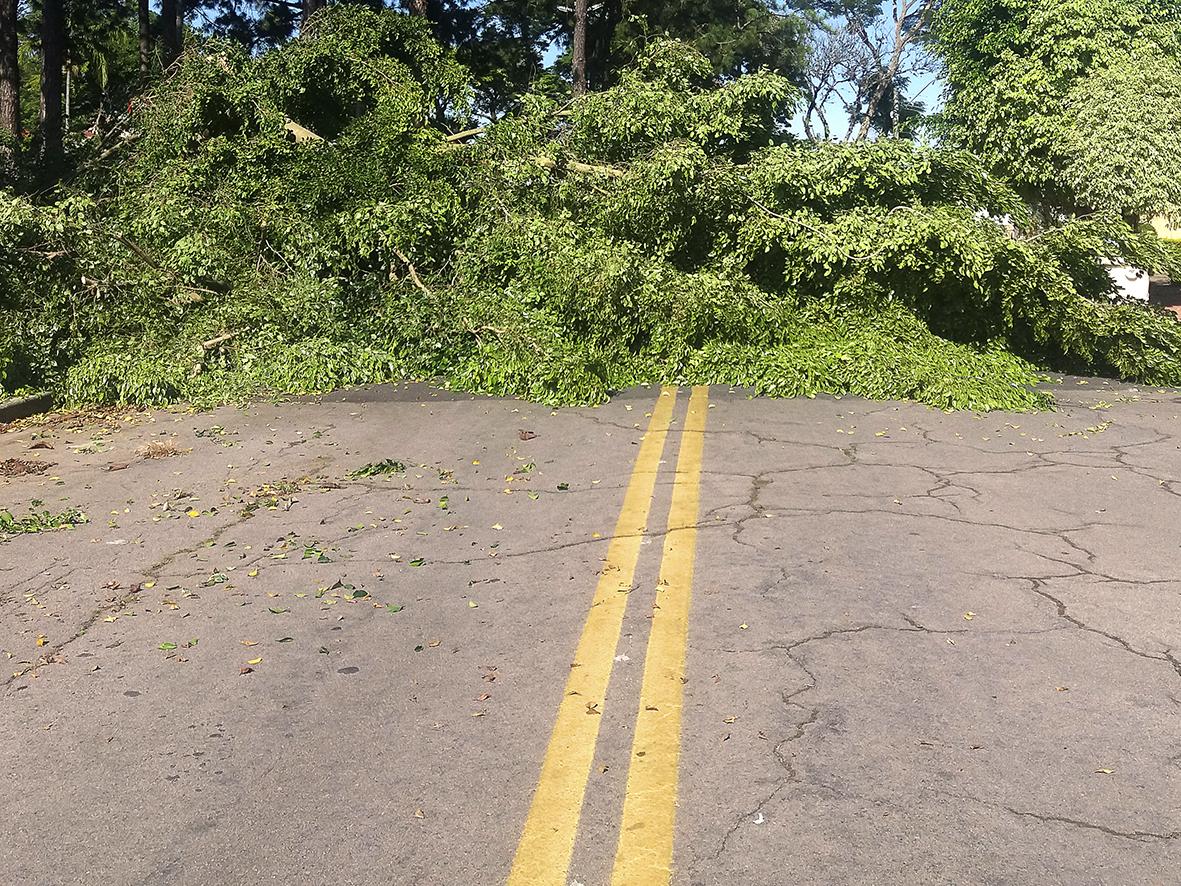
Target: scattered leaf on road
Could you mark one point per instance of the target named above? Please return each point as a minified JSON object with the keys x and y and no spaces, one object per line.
{"x":375,"y":469}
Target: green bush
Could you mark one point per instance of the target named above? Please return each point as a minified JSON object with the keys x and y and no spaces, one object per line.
{"x":1172,"y":265}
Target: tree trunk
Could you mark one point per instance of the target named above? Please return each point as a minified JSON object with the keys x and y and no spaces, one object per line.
{"x":309,"y":7}
{"x":53,"y":48}
{"x":808,"y":112}
{"x":145,"y":39}
{"x":578,"y":49}
{"x":600,"y":64}
{"x":895,"y":109}
{"x":879,"y":92}
{"x":910,"y":19}
{"x":418,"y":7}
{"x":10,"y":78}
{"x":170,"y":30}
{"x":527,"y":41}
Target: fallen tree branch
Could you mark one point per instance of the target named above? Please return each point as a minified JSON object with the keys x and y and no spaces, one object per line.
{"x":140,"y":253}
{"x":480,"y":130}
{"x":301,"y":133}
{"x":413,"y":273}
{"x":467,"y":133}
{"x":575,"y":166}
{"x":147,"y":258}
{"x":218,"y":340}
{"x":128,"y":139}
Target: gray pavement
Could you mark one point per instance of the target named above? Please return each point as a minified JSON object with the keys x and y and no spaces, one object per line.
{"x":923,"y":647}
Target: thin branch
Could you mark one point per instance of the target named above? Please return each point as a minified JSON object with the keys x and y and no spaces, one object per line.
{"x":574,"y":166}
{"x":467,"y":133}
{"x":413,"y":273}
{"x":218,"y":340}
{"x":130,"y":139}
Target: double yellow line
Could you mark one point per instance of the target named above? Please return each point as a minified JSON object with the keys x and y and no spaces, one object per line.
{"x":644,"y":854}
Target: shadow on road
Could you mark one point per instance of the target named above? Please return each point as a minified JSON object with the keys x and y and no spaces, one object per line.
{"x":1165,"y":293}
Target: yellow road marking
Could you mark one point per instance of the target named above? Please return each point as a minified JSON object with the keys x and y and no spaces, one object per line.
{"x":645,"y":852}
{"x":543,"y":855}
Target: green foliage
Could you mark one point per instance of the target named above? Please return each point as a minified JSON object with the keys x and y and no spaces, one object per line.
{"x":658,"y":231}
{"x":671,"y":95}
{"x":379,"y":468}
{"x":1076,"y":101}
{"x":734,"y":38}
{"x":39,"y":521}
{"x":1172,"y":262}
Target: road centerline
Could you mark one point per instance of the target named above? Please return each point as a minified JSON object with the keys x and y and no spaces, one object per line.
{"x":547,"y":840}
{"x":645,"y":850}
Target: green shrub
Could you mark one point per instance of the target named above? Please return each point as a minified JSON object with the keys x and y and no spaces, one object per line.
{"x":1172,"y":265}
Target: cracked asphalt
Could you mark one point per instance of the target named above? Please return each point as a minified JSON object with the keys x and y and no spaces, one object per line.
{"x":923,"y":647}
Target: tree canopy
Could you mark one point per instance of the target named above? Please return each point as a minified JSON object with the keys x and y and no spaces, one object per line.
{"x":350,"y":206}
{"x":1078,"y":102}
{"x":665,"y":228}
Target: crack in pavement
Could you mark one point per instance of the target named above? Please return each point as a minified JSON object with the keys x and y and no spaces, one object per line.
{"x":1058,"y":534}
{"x":116,"y":604}
{"x":812,"y":714}
{"x":1167,"y":657}
{"x":1140,"y":836}
{"x":113,"y":605}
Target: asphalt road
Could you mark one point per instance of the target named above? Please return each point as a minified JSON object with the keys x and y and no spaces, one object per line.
{"x":685,"y":637}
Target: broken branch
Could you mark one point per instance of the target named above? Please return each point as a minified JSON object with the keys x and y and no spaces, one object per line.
{"x":574,"y":166}
{"x":413,"y":273}
{"x":218,"y":340}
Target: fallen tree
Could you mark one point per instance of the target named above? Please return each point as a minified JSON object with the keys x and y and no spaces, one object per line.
{"x":661,"y":231}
